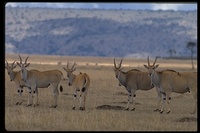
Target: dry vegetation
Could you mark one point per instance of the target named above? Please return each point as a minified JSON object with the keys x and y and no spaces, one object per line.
{"x":104,"y":104}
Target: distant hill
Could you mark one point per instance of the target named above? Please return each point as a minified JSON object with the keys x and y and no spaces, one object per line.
{"x":106,"y":33}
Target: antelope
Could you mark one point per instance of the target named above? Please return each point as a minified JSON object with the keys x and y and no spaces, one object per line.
{"x":134,"y":80}
{"x":171,"y":81}
{"x":80,"y":83}
{"x":16,"y":77}
{"x":40,"y":79}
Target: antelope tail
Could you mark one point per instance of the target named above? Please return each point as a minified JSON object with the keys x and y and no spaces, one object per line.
{"x":85,"y":84}
{"x":62,"y":79}
{"x":61,"y":88}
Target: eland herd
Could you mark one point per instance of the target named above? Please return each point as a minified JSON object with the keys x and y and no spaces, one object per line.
{"x":165,"y":82}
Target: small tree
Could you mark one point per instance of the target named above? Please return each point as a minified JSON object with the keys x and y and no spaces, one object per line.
{"x":190,"y":46}
{"x":172,"y":52}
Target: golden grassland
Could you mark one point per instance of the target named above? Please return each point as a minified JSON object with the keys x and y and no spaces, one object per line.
{"x":104,"y":90}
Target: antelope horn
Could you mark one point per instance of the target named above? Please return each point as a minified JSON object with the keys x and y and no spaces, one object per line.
{"x":148,"y":61}
{"x":155,"y":61}
{"x":120,"y":63}
{"x":115,"y":63}
{"x":20,"y":59}
{"x":26,"y":59}
{"x":67,"y":64}
{"x":73,"y":65}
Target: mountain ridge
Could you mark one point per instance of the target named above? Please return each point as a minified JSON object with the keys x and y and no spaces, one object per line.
{"x":105,"y":33}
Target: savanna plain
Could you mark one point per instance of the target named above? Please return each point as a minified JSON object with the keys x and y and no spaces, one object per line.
{"x":105,"y":102}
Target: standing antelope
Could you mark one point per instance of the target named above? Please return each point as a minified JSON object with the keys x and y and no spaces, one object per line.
{"x":80,"y":83}
{"x":16,"y":77}
{"x":134,"y":80}
{"x":171,"y":81}
{"x":37,"y":79}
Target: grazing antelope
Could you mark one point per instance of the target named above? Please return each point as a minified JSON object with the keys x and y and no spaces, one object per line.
{"x":171,"y":81}
{"x":16,"y":77}
{"x":36,"y":79}
{"x":134,"y":80}
{"x":80,"y":83}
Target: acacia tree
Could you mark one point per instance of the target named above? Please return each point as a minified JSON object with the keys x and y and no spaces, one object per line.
{"x":190,"y":46}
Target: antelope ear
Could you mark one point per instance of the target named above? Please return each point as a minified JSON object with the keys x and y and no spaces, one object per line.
{"x":121,"y":68}
{"x":14,"y":66}
{"x":6,"y":65}
{"x":155,"y":66}
{"x":73,"y":69}
{"x":18,"y":64}
{"x":64,"y":68}
{"x":113,"y":68}
{"x":146,"y":66}
{"x":27,"y":65}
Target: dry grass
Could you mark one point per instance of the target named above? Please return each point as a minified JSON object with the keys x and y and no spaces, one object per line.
{"x":104,"y":90}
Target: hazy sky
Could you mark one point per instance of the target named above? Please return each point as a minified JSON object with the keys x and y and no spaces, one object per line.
{"x":136,"y":6}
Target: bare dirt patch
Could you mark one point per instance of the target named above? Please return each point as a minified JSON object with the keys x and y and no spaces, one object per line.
{"x":110,"y":107}
{"x":125,"y":102}
{"x":121,"y":93}
{"x":187,"y":119}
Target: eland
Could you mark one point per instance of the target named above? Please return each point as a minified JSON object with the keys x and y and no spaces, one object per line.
{"x":16,"y":77}
{"x":80,"y":83}
{"x":40,"y":79}
{"x":172,"y":81}
{"x":134,"y":80}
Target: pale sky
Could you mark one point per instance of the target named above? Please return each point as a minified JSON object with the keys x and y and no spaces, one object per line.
{"x":89,"y":5}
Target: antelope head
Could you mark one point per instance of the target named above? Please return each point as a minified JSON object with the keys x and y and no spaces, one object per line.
{"x":23,"y":67}
{"x":117,"y":69}
{"x":10,"y":70}
{"x":70,"y":73}
{"x":151,"y":68}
